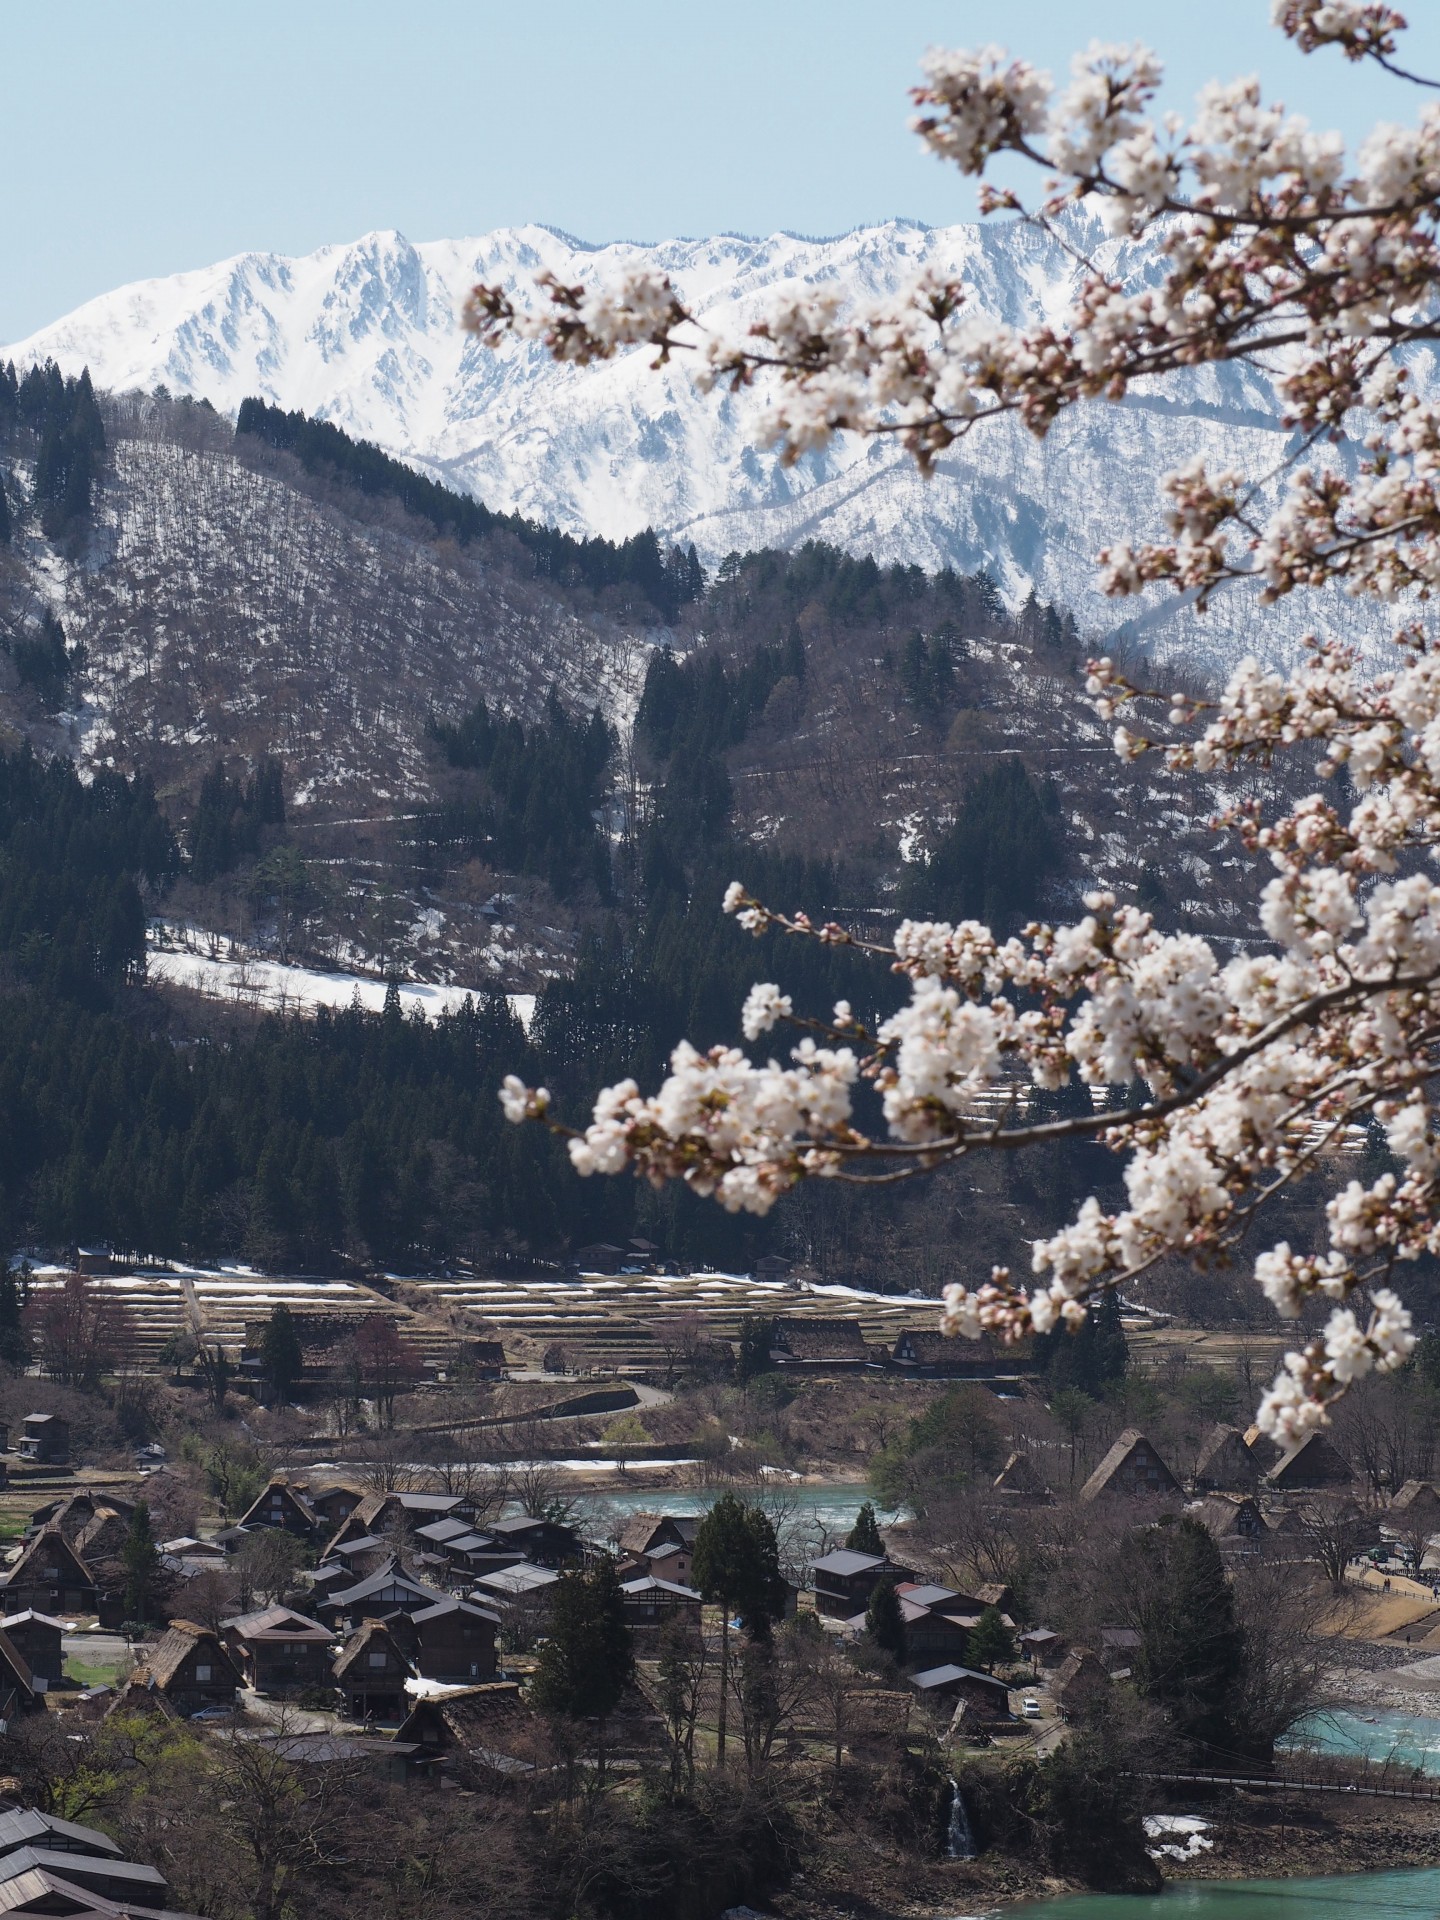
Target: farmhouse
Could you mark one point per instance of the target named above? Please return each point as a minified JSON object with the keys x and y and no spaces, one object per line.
{"x":370,"y":1671}
{"x":944,"y":1688}
{"x":283,"y":1507}
{"x":485,"y":1729}
{"x":1019,"y":1483}
{"x":796,"y":1342}
{"x":937,"y":1356}
{"x":1416,"y":1504}
{"x":192,"y":1668}
{"x":649,"y":1604}
{"x":844,"y":1580}
{"x":49,"y":1577}
{"x":37,"y":1638}
{"x":1234,"y":1520}
{"x":545,"y":1542}
{"x":389,"y":1589}
{"x":1316,"y":1462}
{"x":1131,"y":1470}
{"x":1226,"y":1464}
{"x":452,"y":1641}
{"x":280,"y":1651}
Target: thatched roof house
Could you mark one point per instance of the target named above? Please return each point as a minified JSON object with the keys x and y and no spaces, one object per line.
{"x":1131,"y":1470}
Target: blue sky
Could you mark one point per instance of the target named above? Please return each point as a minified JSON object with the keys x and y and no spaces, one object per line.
{"x":155,"y":136}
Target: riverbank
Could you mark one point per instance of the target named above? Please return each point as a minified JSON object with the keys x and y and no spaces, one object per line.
{"x":1257,"y":1836}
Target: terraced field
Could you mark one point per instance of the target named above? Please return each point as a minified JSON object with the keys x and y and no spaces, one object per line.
{"x":618,"y":1325}
{"x":621,"y":1324}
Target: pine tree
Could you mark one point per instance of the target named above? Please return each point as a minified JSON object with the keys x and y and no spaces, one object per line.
{"x":140,"y":1565}
{"x":884,"y":1619}
{"x":586,"y":1661}
{"x":864,"y":1536}
{"x":1192,"y":1648}
{"x":281,"y":1358}
{"x":990,"y":1641}
{"x":14,"y":1337}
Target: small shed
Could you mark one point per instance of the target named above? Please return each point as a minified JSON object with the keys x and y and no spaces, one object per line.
{"x":1042,"y":1646}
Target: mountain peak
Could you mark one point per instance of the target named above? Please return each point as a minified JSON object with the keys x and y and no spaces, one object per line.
{"x":366,"y":333}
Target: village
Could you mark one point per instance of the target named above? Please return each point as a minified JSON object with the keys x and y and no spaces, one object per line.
{"x":388,"y":1621}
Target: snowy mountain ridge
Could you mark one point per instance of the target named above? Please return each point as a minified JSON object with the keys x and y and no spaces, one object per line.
{"x":366,"y":335}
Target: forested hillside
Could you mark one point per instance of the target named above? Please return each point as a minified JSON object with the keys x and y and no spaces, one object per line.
{"x":327,"y":711}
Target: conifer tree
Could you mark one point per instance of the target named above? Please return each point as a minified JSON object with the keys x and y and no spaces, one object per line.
{"x":990,"y":1641}
{"x":1192,"y":1648}
{"x":281,"y":1357}
{"x":587,"y":1660}
{"x":864,"y":1536}
{"x":14,"y":1338}
{"x":140,"y":1565}
{"x":884,"y":1619}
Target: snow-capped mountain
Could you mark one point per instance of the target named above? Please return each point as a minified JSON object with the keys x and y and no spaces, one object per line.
{"x":367,"y":336}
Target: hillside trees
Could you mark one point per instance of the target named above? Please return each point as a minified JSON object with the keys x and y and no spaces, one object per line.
{"x":58,"y":420}
{"x":1265,"y":248}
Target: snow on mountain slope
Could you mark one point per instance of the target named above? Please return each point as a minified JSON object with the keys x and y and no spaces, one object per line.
{"x":366,"y":335}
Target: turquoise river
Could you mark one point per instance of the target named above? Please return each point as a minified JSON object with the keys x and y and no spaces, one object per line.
{"x":1411,"y":1894}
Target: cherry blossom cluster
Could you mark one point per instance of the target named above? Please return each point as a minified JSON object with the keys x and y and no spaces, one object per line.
{"x":1267,"y":246}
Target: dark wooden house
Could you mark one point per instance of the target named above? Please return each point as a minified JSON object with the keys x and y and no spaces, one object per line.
{"x":453,"y":1640}
{"x":944,"y":1688}
{"x":389,"y":1589}
{"x":844,"y":1580}
{"x":284,"y":1508}
{"x":476,"y":1732}
{"x":546,"y":1543}
{"x":49,"y":1577}
{"x":649,"y":1605}
{"x":45,"y":1439}
{"x":1315,"y":1463}
{"x":1226,"y":1464}
{"x":370,"y":1672}
{"x":1019,"y":1484}
{"x":38,"y":1639}
{"x":280,"y":1651}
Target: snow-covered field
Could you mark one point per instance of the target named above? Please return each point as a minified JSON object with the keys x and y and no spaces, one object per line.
{"x":269,"y":984}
